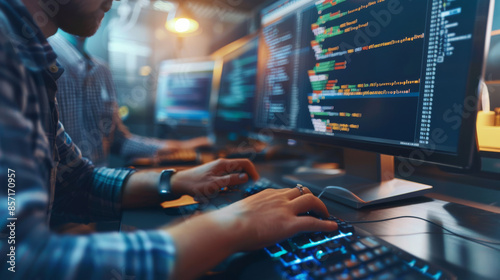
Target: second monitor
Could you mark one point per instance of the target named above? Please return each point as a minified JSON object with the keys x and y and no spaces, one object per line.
{"x":234,"y":108}
{"x":183,"y":93}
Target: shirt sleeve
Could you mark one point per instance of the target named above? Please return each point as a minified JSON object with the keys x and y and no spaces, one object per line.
{"x":36,"y":251}
{"x":129,"y":145}
{"x":84,"y":193}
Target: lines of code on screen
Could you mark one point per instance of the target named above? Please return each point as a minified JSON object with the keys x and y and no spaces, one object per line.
{"x":237,"y":90}
{"x":360,"y":69}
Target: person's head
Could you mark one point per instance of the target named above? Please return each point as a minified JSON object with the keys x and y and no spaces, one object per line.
{"x":78,"y":17}
{"x":82,"y":17}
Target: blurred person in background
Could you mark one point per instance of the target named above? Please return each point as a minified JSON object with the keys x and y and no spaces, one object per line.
{"x":88,"y":108}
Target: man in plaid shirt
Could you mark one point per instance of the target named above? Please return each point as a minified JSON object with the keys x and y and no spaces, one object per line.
{"x":89,"y":111}
{"x":50,"y":179}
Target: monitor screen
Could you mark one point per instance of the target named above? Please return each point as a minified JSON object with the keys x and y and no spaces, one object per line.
{"x":235,"y":101}
{"x":389,"y":76}
{"x":183,"y":93}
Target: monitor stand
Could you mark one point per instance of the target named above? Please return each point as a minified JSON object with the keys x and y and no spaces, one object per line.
{"x":367,"y":179}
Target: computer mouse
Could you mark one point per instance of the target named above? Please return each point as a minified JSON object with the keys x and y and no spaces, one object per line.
{"x":342,"y":192}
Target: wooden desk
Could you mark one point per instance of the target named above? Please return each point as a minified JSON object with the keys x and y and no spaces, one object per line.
{"x":468,"y":260}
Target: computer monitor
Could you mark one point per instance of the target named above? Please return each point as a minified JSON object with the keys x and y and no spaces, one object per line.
{"x":183,"y":93}
{"x":233,"y":111}
{"x":393,"y":77}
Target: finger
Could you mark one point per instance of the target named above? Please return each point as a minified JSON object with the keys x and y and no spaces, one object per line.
{"x":309,"y":202}
{"x":311,"y":224}
{"x":242,"y":165}
{"x":231,"y":180}
{"x":293,"y":193}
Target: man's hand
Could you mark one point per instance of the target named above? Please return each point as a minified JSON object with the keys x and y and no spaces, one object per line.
{"x":207,"y":180}
{"x":272,"y":215}
{"x":260,"y":220}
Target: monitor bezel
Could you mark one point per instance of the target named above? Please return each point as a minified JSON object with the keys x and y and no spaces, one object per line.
{"x":467,"y":146}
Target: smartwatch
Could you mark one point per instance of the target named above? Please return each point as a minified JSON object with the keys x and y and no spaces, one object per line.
{"x":164,"y":186}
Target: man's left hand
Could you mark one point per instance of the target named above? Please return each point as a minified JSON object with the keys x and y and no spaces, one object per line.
{"x":208,"y":179}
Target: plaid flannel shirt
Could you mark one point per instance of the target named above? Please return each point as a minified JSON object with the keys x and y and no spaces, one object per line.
{"x":88,"y":108}
{"x":52,"y":180}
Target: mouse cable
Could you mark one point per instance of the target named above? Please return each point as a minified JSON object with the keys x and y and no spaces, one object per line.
{"x":435,"y":233}
{"x":479,"y":241}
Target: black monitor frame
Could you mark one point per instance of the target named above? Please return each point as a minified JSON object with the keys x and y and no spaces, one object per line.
{"x":467,"y":145}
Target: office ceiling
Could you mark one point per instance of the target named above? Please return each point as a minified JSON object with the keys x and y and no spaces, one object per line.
{"x":232,"y":11}
{"x":238,"y":5}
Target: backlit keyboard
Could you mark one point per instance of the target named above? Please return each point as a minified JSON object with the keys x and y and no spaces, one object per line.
{"x":343,"y":254}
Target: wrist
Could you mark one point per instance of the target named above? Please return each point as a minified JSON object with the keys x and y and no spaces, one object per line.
{"x":234,"y":230}
{"x":176,"y":184}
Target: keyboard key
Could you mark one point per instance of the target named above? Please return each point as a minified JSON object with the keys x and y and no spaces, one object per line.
{"x":274,"y":249}
{"x":309,"y":265}
{"x":333,"y":245}
{"x":432,"y":271}
{"x":334,"y":268}
{"x":335,"y":219}
{"x":319,"y":272}
{"x":302,"y":254}
{"x":332,"y":234}
{"x":358,"y":247}
{"x":375,"y":267}
{"x":359,"y":273}
{"x":366,"y":257}
{"x":419,"y":265}
{"x":381,"y":251}
{"x":289,"y":257}
{"x":320,"y":253}
{"x":293,"y":270}
{"x":301,"y":240}
{"x":385,"y":276}
{"x":286,"y":245}
{"x":391,"y":260}
{"x":407,"y":258}
{"x":351,"y":262}
{"x":331,"y":256}
{"x":317,"y":237}
{"x":349,"y":239}
{"x":343,"y":276}
{"x":347,"y":228}
{"x":401,"y":269}
{"x":369,"y":242}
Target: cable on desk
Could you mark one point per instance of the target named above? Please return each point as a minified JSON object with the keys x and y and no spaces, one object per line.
{"x":475,"y":240}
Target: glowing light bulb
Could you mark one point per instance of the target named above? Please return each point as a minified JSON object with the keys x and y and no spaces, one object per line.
{"x":182,"y":25}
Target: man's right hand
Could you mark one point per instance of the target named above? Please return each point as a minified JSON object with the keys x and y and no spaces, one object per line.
{"x":260,"y":220}
{"x":273,"y":215}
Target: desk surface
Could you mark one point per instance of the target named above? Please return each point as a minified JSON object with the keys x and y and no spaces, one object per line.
{"x":466,"y":259}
